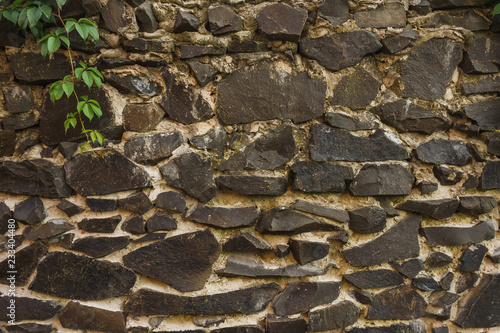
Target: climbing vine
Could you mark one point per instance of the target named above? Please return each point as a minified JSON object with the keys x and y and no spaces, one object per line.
{"x":32,"y":16}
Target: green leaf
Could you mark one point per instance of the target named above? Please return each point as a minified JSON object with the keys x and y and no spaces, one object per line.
{"x":65,"y":40}
{"x":85,"y":98}
{"x":78,"y":72}
{"x":66,"y":126}
{"x":82,"y":30}
{"x":80,"y":105}
{"x":87,"y":79}
{"x":496,"y":10}
{"x":53,"y":44}
{"x":70,"y":25}
{"x":22,"y":21}
{"x":60,"y":3}
{"x":88,"y":112}
{"x":60,"y":31}
{"x":56,"y":91}
{"x":47,"y":11}
{"x":37,"y":30}
{"x":92,"y":136}
{"x":97,"y":110}
{"x":72,"y":121}
{"x":96,"y":79}
{"x":8,"y":16}
{"x":34,"y":14}
{"x":67,"y":77}
{"x":100,"y":138}
{"x":68,"y":88}
{"x":44,"y":50}
{"x":44,"y":38}
{"x":96,"y":72}
{"x":94,"y":33}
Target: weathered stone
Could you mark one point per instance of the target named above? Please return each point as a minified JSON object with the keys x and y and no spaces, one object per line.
{"x":472,"y":257}
{"x":223,"y":217}
{"x":437,"y":260}
{"x":440,"y":329}
{"x":173,"y":201}
{"x":480,"y":307}
{"x":134,"y":85}
{"x":374,"y":279}
{"x":427,"y":187}
{"x":26,"y":261}
{"x":320,"y":177}
{"x":333,"y":317}
{"x":47,"y":229}
{"x":367,"y":220}
{"x":109,"y":173}
{"x":186,"y":22}
{"x":214,"y":140}
{"x":264,"y":93}
{"x":339,"y":215}
{"x":99,"y":247}
{"x":69,"y":208}
{"x":362,"y":296}
{"x":402,"y":303}
{"x":147,"y":302}
{"x":409,"y":268}
{"x":456,"y":3}
{"x":194,"y":51}
{"x":161,"y":221}
{"x":299,"y":297}
{"x":153,"y":237}
{"x":469,"y":20}
{"x":33,"y":68}
{"x":137,"y":203}
{"x":335,"y":11}
{"x":447,"y":280}
{"x":489,"y":176}
{"x":142,"y":117}
{"x":346,"y":122}
{"x":20,"y":121}
{"x":493,"y":144}
{"x":241,"y":266}
{"x":447,"y":176}
{"x":77,"y":316}
{"x":279,"y":21}
{"x":29,"y":328}
{"x":465,"y":282}
{"x":222,"y":20}
{"x":64,"y":240}
{"x":11,"y":36}
{"x":246,"y":241}
{"x":341,"y":237}
{"x":31,"y":139}
{"x":285,"y":325}
{"x":439,"y":209}
{"x":102,"y":225}
{"x":485,"y":114}
{"x":305,"y":252}
{"x":282,"y":250}
{"x":425,"y":283}
{"x":144,"y":45}
{"x":442,"y":298}
{"x":113,"y":15}
{"x":134,"y":225}
{"x":440,"y":151}
{"x":198,"y":251}
{"x":247,"y":46}
{"x":452,"y":235}
{"x":406,"y":116}
{"x":495,"y":256}
{"x":399,"y":42}
{"x":387,"y":207}
{"x":482,"y":55}
{"x":329,"y":144}
{"x":203,"y":73}
{"x":482,"y":84}
{"x":356,"y":90}
{"x":102,"y":205}
{"x":239,"y":329}
{"x":383,"y":179}
{"x":146,"y":18}
{"x":19,"y":99}
{"x":414,"y":326}
{"x":207,"y":321}
{"x":184,"y":103}
{"x":5,"y":216}
{"x":477,"y":205}
{"x":111,"y":63}
{"x":254,"y":185}
{"x":429,"y":68}
{"x":33,"y":177}
{"x":29,"y":308}
{"x":285,"y":221}
{"x":399,"y":242}
{"x":89,"y":46}
{"x":384,"y":16}
{"x":7,"y":143}
{"x":30,"y":211}
{"x":341,"y":50}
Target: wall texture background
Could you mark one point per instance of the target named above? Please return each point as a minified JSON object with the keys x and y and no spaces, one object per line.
{"x":281,"y":167}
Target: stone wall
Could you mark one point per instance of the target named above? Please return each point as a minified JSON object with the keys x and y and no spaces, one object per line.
{"x":280,"y":167}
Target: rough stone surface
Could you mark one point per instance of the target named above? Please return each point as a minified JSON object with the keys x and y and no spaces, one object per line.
{"x":19,"y":99}
{"x":320,"y":177}
{"x":30,"y":211}
{"x":147,"y":302}
{"x":329,"y":144}
{"x":456,"y":3}
{"x":378,"y":278}
{"x":482,"y":55}
{"x":134,"y":225}
{"x":239,"y":329}
{"x":489,"y":176}
{"x":246,"y":241}
{"x":153,"y":148}
{"x":346,"y":122}
{"x":399,"y":42}
{"x":222,"y":20}
{"x":413,"y":327}
{"x":339,"y":215}
{"x":476,"y":205}
{"x":425,"y":283}
{"x":269,"y":94}
{"x":437,"y":260}
{"x":382,"y":179}
{"x":472,"y":257}
{"x":447,"y":176}
{"x":223,"y":217}
{"x":409,"y":268}
{"x":186,"y":22}
{"x":29,"y":328}
{"x":142,"y":117}
{"x":203,"y":73}
{"x":99,"y":247}
{"x":452,"y":235}
{"x":335,"y":11}
{"x":102,"y":225}
{"x":440,"y":209}
{"x":493,"y":144}
{"x":112,"y":172}
{"x":357,"y":90}
{"x":26,"y":262}
{"x":113,"y":15}
{"x":341,"y":50}
{"x":30,"y":67}
{"x":483,"y":84}
{"x":333,"y":317}
{"x":284,"y":324}
{"x":194,"y":51}
{"x":403,"y":303}
{"x":102,"y":205}
{"x":77,"y":316}
{"x":399,"y":242}
{"x":30,"y":308}
{"x":161,"y":221}
{"x":387,"y":15}
{"x":305,"y":252}
{"x":367,"y":220}
{"x":468,"y":20}
{"x":137,"y":203}
{"x":69,"y":208}
{"x":440,"y":151}
{"x":47,"y":229}
{"x":279,"y":21}
{"x":7,"y":143}
{"x":145,"y":17}
{"x":253,"y":185}
{"x":173,"y":201}
{"x":299,"y":297}
{"x":132,"y":84}
{"x":485,"y":114}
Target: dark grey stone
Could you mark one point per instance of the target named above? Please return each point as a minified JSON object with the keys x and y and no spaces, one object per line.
{"x":223,"y":217}
{"x":452,"y":235}
{"x":213,"y":320}
{"x":447,"y":280}
{"x":81,"y":317}
{"x":279,"y":21}
{"x":222,"y":20}
{"x":264,"y":93}
{"x":440,"y":329}
{"x":246,"y":241}
{"x":134,"y":85}
{"x":254,"y":185}
{"x":285,"y":325}
{"x":437,"y":260}
{"x":145,"y":45}
{"x":466,"y":281}
{"x":203,"y":73}
{"x":442,"y":298}
{"x":146,"y":18}
{"x":11,"y":36}
{"x":409,"y":268}
{"x":305,"y":252}
{"x":387,"y":207}
{"x":239,"y":329}
{"x":495,"y":256}
{"x":341,"y":237}
{"x":367,"y":220}
{"x":339,"y":215}
{"x":481,"y":84}
{"x":161,"y":221}
{"x":142,"y":117}
{"x":425,"y":283}
{"x":414,"y":326}
{"x":113,"y":15}
{"x":471,"y":183}
{"x":429,"y":68}
{"x":346,"y":122}
{"x":8,"y":143}
{"x":47,"y":229}
{"x":489,"y":176}
{"x":320,"y":177}
{"x":377,"y":278}
{"x":398,"y":303}
{"x":153,"y":148}
{"x":30,"y":67}
{"x":194,"y":51}
{"x":399,"y":42}
{"x":447,"y":176}
{"x":102,"y":225}
{"x":485,"y":114}
{"x":382,"y":179}
{"x":476,"y":205}
{"x":147,"y":302}
{"x":19,"y":99}
{"x":173,"y":201}
{"x":19,"y":121}
{"x":5,"y":216}
{"x":439,"y":209}
{"x":186,"y":22}
{"x":213,"y":140}
{"x":67,"y":149}
{"x":282,"y":250}
{"x":333,"y":317}
{"x":29,"y":308}
{"x":30,"y":211}
{"x":469,"y":20}
{"x":29,"y":328}
{"x":137,"y":203}
{"x":134,"y":225}
{"x":440,"y":151}
{"x":99,"y":247}
{"x":482,"y":55}
{"x":335,"y":11}
{"x":472,"y":257}
{"x":151,"y":237}
{"x":341,"y":50}
{"x":384,"y":16}
{"x":109,"y":173}
{"x":26,"y":262}
{"x":247,"y":46}
{"x":427,"y":187}
{"x":399,"y":242}
{"x":356,"y":90}
{"x":493,"y":144}
{"x":102,"y":205}
{"x":456,"y":3}
{"x":362,"y":296}
{"x":31,"y":139}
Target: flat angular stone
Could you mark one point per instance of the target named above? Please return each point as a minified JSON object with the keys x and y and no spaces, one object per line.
{"x":223,"y":217}
{"x":406,"y":116}
{"x":399,"y":42}
{"x":335,"y":11}
{"x":145,"y":17}
{"x":102,"y":225}
{"x":480,"y":307}
{"x":137,"y":203}
{"x":367,"y":220}
{"x":439,"y":209}
{"x":341,"y":237}
{"x":285,"y":221}
{"x":320,"y":177}
{"x":151,"y":237}
{"x":30,"y":308}
{"x":279,"y":21}
{"x":19,"y":99}
{"x":382,"y":179}
{"x":489,"y":176}
{"x":142,"y":117}
{"x":147,"y":302}
{"x":377,"y":278}
{"x":482,"y":55}
{"x":132,"y":84}
{"x":67,"y":149}
{"x":409,"y":268}
{"x":30,"y":211}
{"x":33,"y":177}
{"x":203,"y":73}
{"x":437,"y":260}
{"x":493,"y":144}
{"x":481,"y":84}
{"x":399,"y":242}
{"x":246,"y":241}
{"x":495,"y":256}
{"x":222,"y":20}
{"x":329,"y":144}
{"x":447,"y":280}
{"x":247,"y":46}
{"x":134,"y":225}
{"x":264,"y":93}
{"x":145,"y":45}
{"x":5,"y":216}
{"x":73,"y":276}
{"x":254,"y":185}
{"x":333,"y":317}
{"x":443,"y":298}
{"x":452,"y":235}
{"x":485,"y":114}
{"x":476,"y":205}
{"x":429,"y":68}
{"x":239,"y":329}
{"x":69,"y":208}
{"x":425,"y":283}
{"x":173,"y":201}
{"x":11,"y":35}
{"x":31,"y":67}
{"x":472,"y":257}
{"x":241,"y":266}
{"x":184,"y":103}
{"x":469,"y":20}
{"x":356,"y":90}
{"x":77,"y":316}
{"x":299,"y":297}
{"x":29,"y":328}
{"x":466,"y":281}
{"x":113,"y":15}
{"x":161,"y":221}
{"x":99,"y":247}
{"x":346,"y":122}
{"x":282,"y":250}
{"x":102,"y":205}
{"x":440,"y":329}
{"x":305,"y":252}
{"x":384,"y":16}
{"x":47,"y":229}
{"x":285,"y":325}
{"x":20,"y":121}
{"x":198,"y":251}
{"x":26,"y":262}
{"x":339,"y":215}
{"x":447,"y":176}
{"x":456,"y":3}
{"x":362,"y":296}
{"x":185,"y":22}
{"x":7,"y":143}
{"x":341,"y":50}
{"x":440,"y":151}
{"x":215,"y":140}
{"x":194,"y":51}
{"x":413,"y":327}
{"x":398,"y":303}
